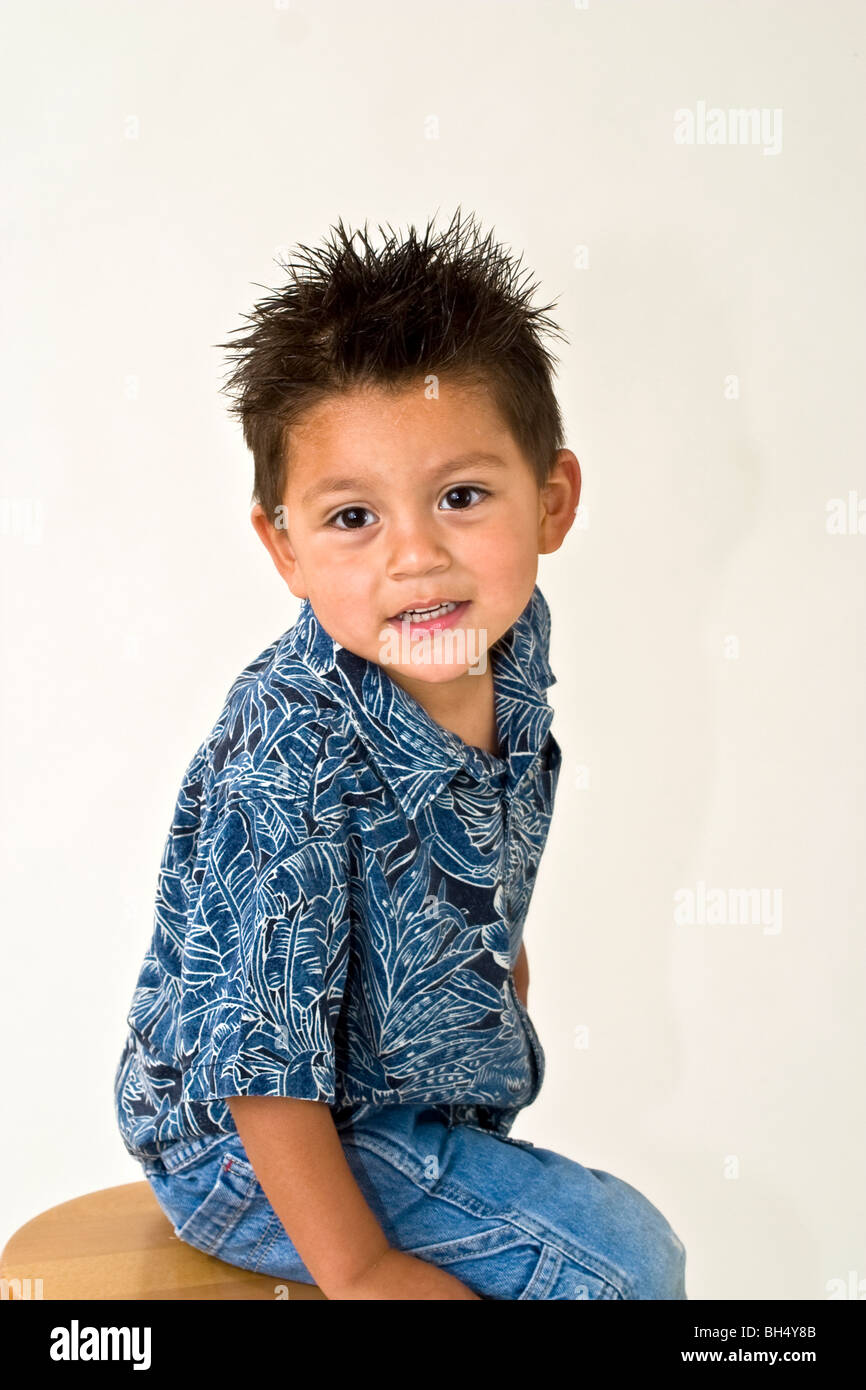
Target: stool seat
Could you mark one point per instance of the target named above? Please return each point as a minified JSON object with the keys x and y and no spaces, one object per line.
{"x":119,"y":1244}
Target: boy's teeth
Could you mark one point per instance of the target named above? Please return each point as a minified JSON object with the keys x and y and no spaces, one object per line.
{"x":416,"y":614}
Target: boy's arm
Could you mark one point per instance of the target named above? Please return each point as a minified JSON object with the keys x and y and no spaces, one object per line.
{"x":521,"y":975}
{"x":295,"y":1151}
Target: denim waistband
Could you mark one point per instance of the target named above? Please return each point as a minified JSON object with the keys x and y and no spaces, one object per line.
{"x":369,"y":1116}
{"x":185,"y":1153}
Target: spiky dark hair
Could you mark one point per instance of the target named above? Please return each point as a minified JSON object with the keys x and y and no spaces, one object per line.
{"x":450,"y":305}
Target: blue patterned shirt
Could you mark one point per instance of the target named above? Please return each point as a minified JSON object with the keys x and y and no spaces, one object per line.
{"x":341,"y":899}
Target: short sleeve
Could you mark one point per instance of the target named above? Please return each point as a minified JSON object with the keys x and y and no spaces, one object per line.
{"x":265,"y":955}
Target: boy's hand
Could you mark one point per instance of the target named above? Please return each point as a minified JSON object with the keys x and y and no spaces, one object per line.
{"x":521,"y":975}
{"x":397,"y":1275}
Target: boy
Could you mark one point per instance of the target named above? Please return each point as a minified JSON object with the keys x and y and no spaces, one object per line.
{"x":329,"y":1040}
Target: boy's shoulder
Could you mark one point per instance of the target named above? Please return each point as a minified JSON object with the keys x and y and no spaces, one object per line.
{"x":275,"y":720}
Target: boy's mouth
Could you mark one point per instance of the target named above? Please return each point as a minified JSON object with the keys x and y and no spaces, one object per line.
{"x":430,"y":616}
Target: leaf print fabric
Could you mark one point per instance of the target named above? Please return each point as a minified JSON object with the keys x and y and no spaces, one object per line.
{"x":265,"y":959}
{"x":341,"y":899}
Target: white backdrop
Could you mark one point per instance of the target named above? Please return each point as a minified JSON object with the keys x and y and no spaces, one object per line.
{"x":708,"y":614}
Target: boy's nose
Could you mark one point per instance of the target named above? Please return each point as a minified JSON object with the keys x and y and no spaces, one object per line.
{"x":415,"y":547}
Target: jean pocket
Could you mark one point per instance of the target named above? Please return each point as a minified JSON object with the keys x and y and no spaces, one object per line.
{"x":217,"y":1218}
{"x":500,"y":1262}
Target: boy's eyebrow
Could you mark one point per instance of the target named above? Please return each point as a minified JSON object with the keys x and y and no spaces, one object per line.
{"x":345,"y":483}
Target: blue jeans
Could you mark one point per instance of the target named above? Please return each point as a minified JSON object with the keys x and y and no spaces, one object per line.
{"x":510,"y":1220}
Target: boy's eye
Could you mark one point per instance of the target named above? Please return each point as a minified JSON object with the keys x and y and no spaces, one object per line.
{"x":456,"y":492}
{"x":350,"y":512}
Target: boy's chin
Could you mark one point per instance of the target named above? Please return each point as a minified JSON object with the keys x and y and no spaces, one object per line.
{"x":428,"y":673}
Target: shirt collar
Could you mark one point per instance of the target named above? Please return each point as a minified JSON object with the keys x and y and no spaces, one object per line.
{"x":416,"y":756}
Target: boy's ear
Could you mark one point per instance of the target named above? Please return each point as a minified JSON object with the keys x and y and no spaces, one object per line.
{"x":558,"y":501}
{"x":274,"y":536}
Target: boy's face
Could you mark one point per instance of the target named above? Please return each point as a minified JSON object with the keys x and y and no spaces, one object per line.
{"x":390,"y":505}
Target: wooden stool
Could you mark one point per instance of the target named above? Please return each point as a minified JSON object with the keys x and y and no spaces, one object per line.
{"x":118,"y":1243}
